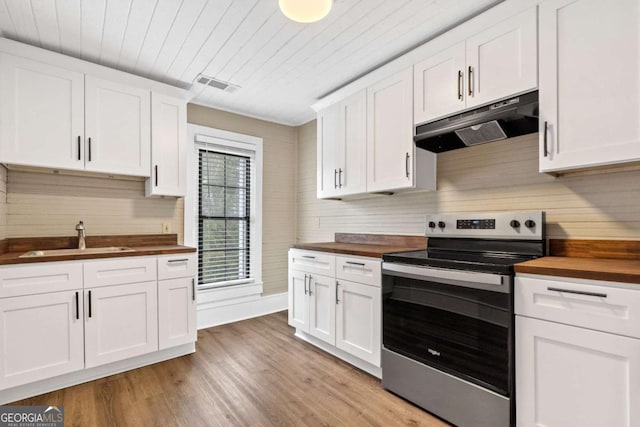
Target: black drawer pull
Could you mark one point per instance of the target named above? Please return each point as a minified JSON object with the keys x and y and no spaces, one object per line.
{"x":178,"y":260}
{"x":361,"y":264}
{"x":90,"y":312}
{"x":77,"y":305}
{"x":571,"y":291}
{"x":308,"y":256}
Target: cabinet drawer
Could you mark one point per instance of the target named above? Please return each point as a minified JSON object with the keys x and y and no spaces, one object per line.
{"x":39,"y":278}
{"x":312,"y":262}
{"x":594,"y":305}
{"x":177,"y":266}
{"x":361,"y":270}
{"x":119,"y":271}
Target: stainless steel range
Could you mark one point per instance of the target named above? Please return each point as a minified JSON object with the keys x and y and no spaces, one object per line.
{"x":447,"y":319}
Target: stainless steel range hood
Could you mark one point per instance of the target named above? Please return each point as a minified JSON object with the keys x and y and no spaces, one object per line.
{"x":505,"y":119}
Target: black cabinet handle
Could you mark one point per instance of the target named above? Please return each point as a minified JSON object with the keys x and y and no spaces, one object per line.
{"x":337,"y":284}
{"x":545,"y":139}
{"x":340,"y":178}
{"x":79,"y":143}
{"x":406,"y":165}
{"x":470,"y":76}
{"x":90,"y":312}
{"x":178,"y":260}
{"x":77,"y":305}
{"x":361,"y":264}
{"x":89,"y":149}
{"x":459,"y":84}
{"x":156,"y":168}
{"x":193,"y":289}
{"x":571,"y":291}
{"x":305,"y":284}
{"x":308,"y":256}
{"x":310,"y":293}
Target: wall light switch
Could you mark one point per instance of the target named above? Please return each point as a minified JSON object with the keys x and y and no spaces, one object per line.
{"x":166,"y":228}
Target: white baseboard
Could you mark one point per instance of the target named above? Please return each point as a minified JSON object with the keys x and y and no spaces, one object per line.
{"x":240,"y":309}
{"x":376,"y":371}
{"x":86,"y":375}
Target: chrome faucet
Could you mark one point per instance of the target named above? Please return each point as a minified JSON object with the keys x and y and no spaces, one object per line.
{"x":82,"y":244}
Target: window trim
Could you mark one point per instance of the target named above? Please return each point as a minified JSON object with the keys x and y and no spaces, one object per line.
{"x":232,"y":143}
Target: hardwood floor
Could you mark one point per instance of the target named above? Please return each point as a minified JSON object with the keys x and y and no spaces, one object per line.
{"x":250,"y":373}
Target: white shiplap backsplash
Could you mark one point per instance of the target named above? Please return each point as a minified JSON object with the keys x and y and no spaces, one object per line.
{"x":499,"y":176}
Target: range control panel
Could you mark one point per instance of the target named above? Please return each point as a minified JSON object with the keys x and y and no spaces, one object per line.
{"x":476,"y":224}
{"x":528,"y":225}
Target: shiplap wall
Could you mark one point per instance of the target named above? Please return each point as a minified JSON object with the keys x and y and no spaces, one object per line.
{"x":499,"y":176}
{"x":47,"y":204}
{"x":3,"y":202}
{"x":278,"y":186}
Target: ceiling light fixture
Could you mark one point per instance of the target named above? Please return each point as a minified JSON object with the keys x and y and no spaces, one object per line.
{"x":305,"y":11}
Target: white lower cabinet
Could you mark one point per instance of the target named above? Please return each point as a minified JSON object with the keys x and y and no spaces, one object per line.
{"x":571,"y":372}
{"x":63,"y":317}
{"x":42,"y":336}
{"x":343,"y":313}
{"x":121,"y":322}
{"x":358,"y":320}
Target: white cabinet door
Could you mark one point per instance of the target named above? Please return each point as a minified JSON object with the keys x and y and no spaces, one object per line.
{"x":439,"y":84}
{"x":390,"y":145}
{"x":42,"y":114}
{"x":42,"y":337}
{"x":176,"y":312}
{"x":352,"y":143}
{"x":502,"y":61}
{"x":568,"y":376}
{"x":589,"y":83}
{"x":359,"y":320}
{"x":322,"y":308}
{"x":328,"y":148}
{"x":298,"y":305}
{"x":168,"y":146}
{"x":121,"y":322}
{"x":118,"y":127}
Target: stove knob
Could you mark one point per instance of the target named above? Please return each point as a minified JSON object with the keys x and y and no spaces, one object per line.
{"x":530,"y":223}
{"x":432,"y":224}
{"x":441,"y":224}
{"x":515,"y":223}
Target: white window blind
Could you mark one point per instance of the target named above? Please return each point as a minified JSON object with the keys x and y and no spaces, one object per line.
{"x":224,"y":217}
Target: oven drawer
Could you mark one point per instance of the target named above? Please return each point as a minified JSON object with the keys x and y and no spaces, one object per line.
{"x":598,"y":305}
{"x":312,"y":262}
{"x":361,"y":270}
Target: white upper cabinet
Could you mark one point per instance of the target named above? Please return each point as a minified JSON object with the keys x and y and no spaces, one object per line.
{"x":42,"y":114}
{"x":440,"y":84}
{"x":118,"y":127}
{"x":493,"y":64}
{"x":392,"y":160}
{"x":589,"y":83}
{"x":352,"y":145}
{"x":328,"y":147}
{"x":342,"y":147}
{"x":168,"y":146}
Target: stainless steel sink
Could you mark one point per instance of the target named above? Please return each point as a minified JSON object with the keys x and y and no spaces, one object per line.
{"x":59,"y":252}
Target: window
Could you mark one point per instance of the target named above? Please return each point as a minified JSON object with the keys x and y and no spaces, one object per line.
{"x":224,"y":200}
{"x":224,"y":217}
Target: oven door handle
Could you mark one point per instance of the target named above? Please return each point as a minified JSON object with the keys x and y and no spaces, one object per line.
{"x":427,"y":273}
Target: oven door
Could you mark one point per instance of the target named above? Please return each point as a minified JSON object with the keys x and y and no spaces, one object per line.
{"x":459,"y":322}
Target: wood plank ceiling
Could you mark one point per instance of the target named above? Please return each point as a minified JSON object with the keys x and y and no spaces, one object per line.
{"x":281,"y":67}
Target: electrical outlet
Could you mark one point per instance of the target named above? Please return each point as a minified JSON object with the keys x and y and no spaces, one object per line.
{"x":166,"y":228}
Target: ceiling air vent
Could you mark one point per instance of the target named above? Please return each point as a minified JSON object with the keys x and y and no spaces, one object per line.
{"x":215,"y":83}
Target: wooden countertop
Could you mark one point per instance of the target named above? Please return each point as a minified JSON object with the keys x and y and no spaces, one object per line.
{"x":152,"y":244}
{"x":615,"y":270}
{"x":369,"y":245}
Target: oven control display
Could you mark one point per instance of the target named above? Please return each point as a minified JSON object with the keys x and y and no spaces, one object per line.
{"x":479,"y":224}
